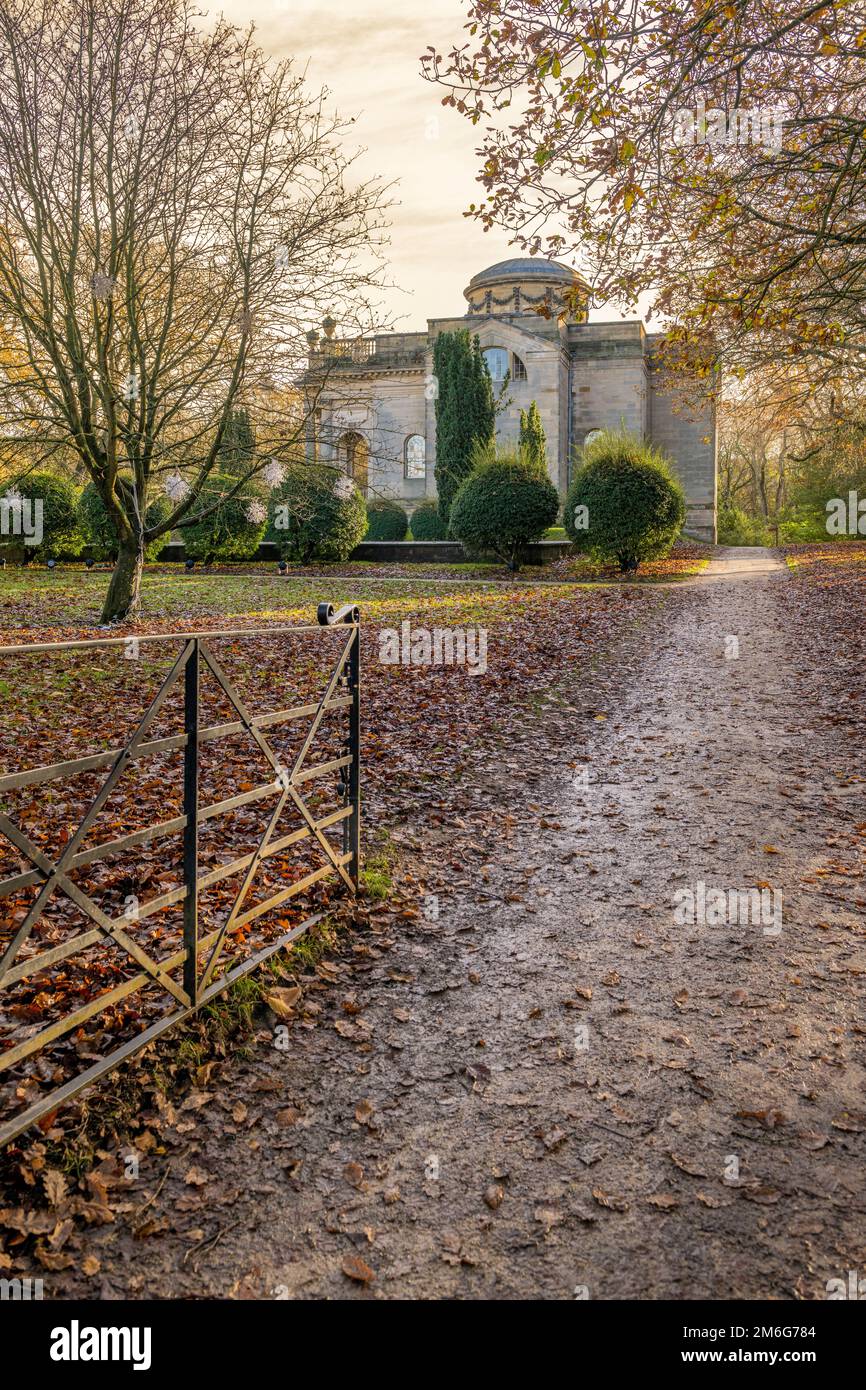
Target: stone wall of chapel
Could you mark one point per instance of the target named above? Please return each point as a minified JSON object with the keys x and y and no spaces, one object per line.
{"x":615,"y":381}
{"x":585,"y":377}
{"x":385,"y":408}
{"x":688,"y":435}
{"x":609,"y":385}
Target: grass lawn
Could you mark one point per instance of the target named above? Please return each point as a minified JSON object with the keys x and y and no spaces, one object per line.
{"x":823,"y":558}
{"x":70,"y":597}
{"x":35,"y":602}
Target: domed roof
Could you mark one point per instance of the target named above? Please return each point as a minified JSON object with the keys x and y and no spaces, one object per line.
{"x":525,"y":268}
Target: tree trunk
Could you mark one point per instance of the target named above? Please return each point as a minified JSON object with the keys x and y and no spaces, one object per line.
{"x":124,"y":591}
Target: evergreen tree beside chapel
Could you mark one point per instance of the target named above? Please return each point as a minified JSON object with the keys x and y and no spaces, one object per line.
{"x":533,"y":441}
{"x":465,"y":410}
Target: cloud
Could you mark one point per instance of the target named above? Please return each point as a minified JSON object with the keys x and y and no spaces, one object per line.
{"x":369,"y":58}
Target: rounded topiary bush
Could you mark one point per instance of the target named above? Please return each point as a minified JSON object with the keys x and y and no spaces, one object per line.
{"x":386,"y":520}
{"x":99,"y":533}
{"x":502,"y":506}
{"x":42,"y":508}
{"x":427,"y":524}
{"x":233,"y":529}
{"x":624,"y":504}
{"x":317,"y":514}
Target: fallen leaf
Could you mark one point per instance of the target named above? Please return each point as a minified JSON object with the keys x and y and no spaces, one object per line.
{"x":354,"y":1174}
{"x":689,"y":1165}
{"x":612,"y":1203}
{"x":197,"y":1177}
{"x":55,"y":1186}
{"x":52,"y":1259}
{"x":355,"y":1268}
{"x":770,"y":1119}
{"x":283,"y":1001}
{"x":363,"y":1111}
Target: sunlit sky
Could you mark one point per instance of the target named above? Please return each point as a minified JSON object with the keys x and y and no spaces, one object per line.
{"x":367,"y":52}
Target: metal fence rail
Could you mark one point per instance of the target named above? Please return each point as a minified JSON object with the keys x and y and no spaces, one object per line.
{"x":200,"y":955}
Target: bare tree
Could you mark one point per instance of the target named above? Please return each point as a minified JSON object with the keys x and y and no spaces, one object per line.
{"x":176,"y":212}
{"x":783,"y":435}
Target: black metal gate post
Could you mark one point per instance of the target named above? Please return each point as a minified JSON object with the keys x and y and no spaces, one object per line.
{"x":190,"y":832}
{"x":353,"y":824}
{"x":350,"y":774}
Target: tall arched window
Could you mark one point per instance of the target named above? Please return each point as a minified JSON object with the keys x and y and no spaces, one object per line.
{"x":415,"y":457}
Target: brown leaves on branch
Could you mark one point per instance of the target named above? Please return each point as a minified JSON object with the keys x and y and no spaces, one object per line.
{"x":711,"y":160}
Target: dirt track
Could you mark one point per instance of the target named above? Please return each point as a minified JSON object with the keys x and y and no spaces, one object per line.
{"x":547,"y":1089}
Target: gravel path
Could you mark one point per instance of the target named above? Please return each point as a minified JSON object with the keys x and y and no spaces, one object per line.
{"x":553,"y":1088}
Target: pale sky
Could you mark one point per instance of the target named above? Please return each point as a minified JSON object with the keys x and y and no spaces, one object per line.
{"x":367,"y":52}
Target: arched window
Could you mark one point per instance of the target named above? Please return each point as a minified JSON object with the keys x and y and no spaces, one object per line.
{"x":501,"y":363}
{"x":415,"y":457}
{"x":497,"y":362}
{"x":591,"y":436}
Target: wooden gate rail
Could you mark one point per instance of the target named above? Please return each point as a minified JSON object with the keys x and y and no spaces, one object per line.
{"x":342,"y":692}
